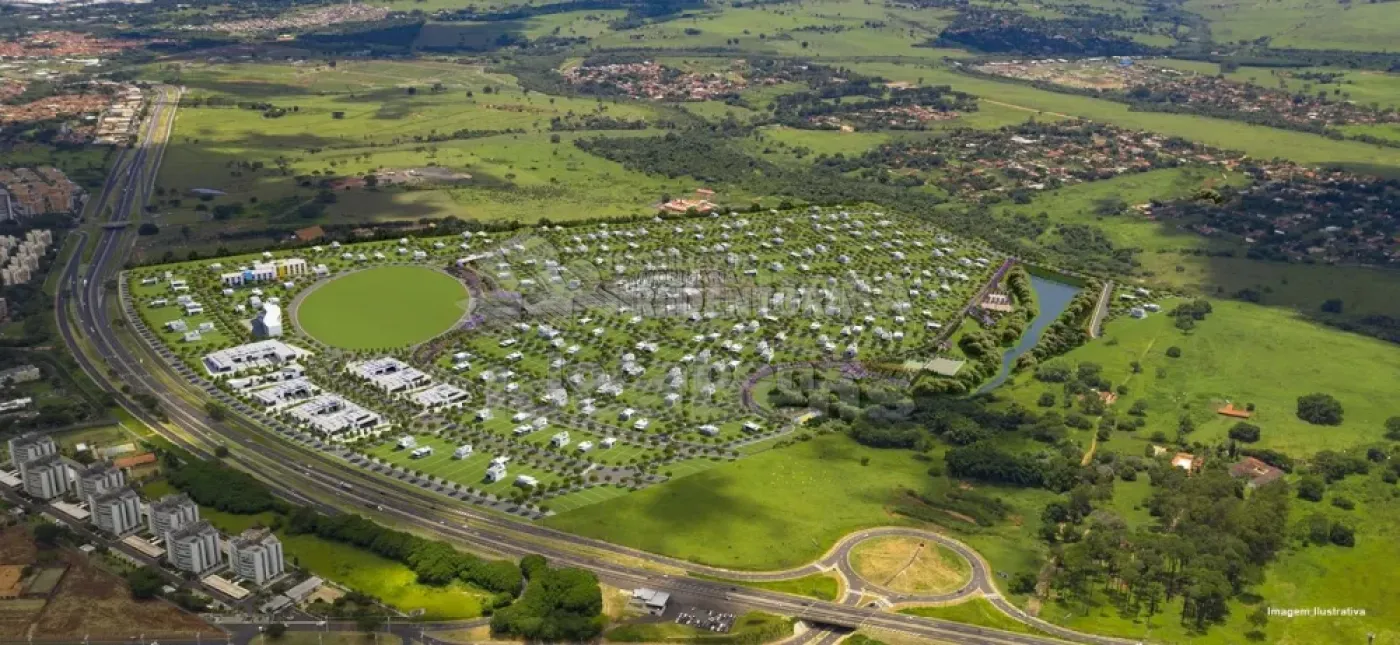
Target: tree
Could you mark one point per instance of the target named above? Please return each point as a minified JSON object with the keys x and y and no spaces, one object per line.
{"x":49,"y":535}
{"x":1173,"y":352}
{"x":1320,"y":409}
{"x":216,"y":411}
{"x":1332,"y":306}
{"x":145,"y":583}
{"x":368,"y":622}
{"x":1311,"y":488}
{"x":276,"y":631}
{"x":1244,"y":432}
{"x":1392,"y":428}
{"x":147,"y":228}
{"x":1047,"y":400}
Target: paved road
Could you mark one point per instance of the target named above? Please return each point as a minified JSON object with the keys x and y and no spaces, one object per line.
{"x":1100,"y":310}
{"x":308,"y":477}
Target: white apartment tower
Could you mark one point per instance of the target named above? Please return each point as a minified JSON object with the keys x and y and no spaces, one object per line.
{"x":48,"y":477}
{"x":97,"y":479}
{"x":28,"y":447}
{"x":171,"y":513}
{"x":117,"y":511}
{"x":256,"y":556}
{"x":194,"y":548}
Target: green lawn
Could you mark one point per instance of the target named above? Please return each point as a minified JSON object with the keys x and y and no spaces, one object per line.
{"x":389,"y":306}
{"x":976,"y":611}
{"x":390,"y":581}
{"x":820,"y":586}
{"x":1247,"y":354}
{"x":781,"y":508}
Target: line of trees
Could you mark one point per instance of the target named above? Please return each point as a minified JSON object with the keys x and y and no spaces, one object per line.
{"x":435,"y":562}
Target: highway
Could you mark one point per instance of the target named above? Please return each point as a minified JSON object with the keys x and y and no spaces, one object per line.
{"x":308,"y":476}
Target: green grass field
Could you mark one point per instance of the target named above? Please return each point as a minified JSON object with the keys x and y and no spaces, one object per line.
{"x":1301,"y":24}
{"x":820,"y":586}
{"x":975,"y":611}
{"x":778,"y":509}
{"x":1246,"y":354}
{"x":786,"y":507}
{"x":389,"y":306}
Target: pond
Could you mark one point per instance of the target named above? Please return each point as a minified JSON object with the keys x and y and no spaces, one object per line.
{"x":1052,"y":297}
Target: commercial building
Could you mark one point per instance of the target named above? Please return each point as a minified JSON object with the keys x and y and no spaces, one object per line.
{"x":390,"y":374}
{"x":256,"y":556}
{"x":268,"y":324}
{"x":286,"y":392}
{"x":336,"y":417}
{"x":650,"y":600}
{"x":98,"y":478}
{"x":48,"y":477}
{"x":195,"y":548}
{"x":257,"y":355}
{"x":266,"y":272}
{"x":117,"y":511}
{"x":171,"y":513}
{"x":439,"y":396}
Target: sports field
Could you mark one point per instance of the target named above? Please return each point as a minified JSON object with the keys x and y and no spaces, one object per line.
{"x":382,"y":307}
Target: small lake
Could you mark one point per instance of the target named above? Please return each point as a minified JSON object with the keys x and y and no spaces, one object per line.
{"x":1052,"y":297}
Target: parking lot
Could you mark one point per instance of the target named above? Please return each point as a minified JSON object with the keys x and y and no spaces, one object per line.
{"x":715,"y":621}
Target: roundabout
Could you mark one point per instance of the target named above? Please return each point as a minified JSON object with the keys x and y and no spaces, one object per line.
{"x":381,"y":307}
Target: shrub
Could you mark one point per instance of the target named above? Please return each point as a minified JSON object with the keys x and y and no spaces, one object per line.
{"x":1311,"y":489}
{"x":1343,"y":503}
{"x":1343,"y":535}
{"x":1173,"y":352}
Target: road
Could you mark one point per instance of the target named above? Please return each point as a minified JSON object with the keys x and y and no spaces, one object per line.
{"x":1100,"y":310}
{"x":311,"y":477}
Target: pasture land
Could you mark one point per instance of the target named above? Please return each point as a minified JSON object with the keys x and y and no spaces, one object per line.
{"x":496,"y":154}
{"x":1242,"y":353}
{"x":1301,"y":24}
{"x":388,"y":306}
{"x":1257,"y":141}
{"x":819,"y":30}
{"x":785,"y":508}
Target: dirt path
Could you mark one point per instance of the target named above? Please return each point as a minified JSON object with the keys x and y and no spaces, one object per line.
{"x":912,"y":559}
{"x":1029,"y":109}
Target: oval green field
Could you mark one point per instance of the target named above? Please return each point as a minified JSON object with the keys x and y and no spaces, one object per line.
{"x":382,"y":307}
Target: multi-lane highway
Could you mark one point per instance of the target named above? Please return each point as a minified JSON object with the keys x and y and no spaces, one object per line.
{"x":329,"y":482}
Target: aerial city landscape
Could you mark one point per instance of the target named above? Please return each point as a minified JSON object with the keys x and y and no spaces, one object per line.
{"x":685,"y":321}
